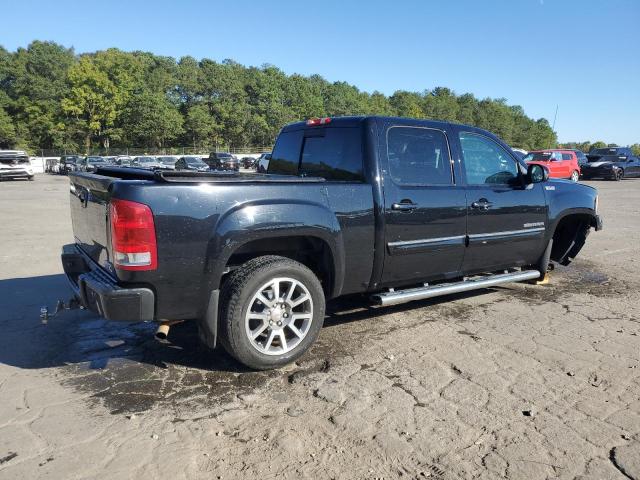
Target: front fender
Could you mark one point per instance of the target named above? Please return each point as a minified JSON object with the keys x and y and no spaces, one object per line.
{"x":257,"y":220}
{"x":567,"y":198}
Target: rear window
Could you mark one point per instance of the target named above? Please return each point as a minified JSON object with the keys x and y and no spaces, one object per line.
{"x":334,"y":154}
{"x":609,"y":151}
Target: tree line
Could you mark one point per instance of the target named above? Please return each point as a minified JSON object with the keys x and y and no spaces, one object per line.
{"x":52,"y":98}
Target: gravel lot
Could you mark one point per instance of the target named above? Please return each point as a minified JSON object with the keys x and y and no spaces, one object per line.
{"x":517,"y":382}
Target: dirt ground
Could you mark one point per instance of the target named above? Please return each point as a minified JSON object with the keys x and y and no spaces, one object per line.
{"x":517,"y":382}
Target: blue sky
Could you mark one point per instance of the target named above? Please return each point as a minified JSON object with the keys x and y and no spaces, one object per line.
{"x":582,"y":55}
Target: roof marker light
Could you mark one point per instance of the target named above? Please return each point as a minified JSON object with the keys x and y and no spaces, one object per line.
{"x":314,"y":122}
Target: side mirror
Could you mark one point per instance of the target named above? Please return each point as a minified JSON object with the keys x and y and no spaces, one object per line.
{"x":537,"y":173}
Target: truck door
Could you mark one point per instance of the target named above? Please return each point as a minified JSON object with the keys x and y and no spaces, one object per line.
{"x":506,"y":219}
{"x":424,"y":208}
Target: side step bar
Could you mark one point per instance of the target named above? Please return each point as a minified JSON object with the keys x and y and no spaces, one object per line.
{"x":420,"y":293}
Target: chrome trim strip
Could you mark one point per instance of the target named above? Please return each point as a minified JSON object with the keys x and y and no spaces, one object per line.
{"x":425,"y":241}
{"x":507,"y":233}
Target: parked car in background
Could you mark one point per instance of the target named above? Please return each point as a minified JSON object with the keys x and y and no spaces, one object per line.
{"x":582,"y":158}
{"x":613,"y":163}
{"x":222,"y":161}
{"x":15,"y":164}
{"x":123,"y":161}
{"x":262,"y":164}
{"x":69,"y":163}
{"x":52,"y":165}
{"x":248,"y":162}
{"x":167,"y":161}
{"x":90,"y":163}
{"x":146,"y":162}
{"x":561,"y":163}
{"x":520,"y":152}
{"x":193,"y":163}
{"x":253,"y":257}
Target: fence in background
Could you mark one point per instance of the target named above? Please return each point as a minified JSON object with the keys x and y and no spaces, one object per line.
{"x":133,"y":151}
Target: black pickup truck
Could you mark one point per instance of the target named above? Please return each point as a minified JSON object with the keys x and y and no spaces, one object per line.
{"x":397,"y":209}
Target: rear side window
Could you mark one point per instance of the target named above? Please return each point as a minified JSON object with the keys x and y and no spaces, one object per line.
{"x":418,"y":156}
{"x":333,"y":153}
{"x":566,"y":156}
{"x":286,"y":154}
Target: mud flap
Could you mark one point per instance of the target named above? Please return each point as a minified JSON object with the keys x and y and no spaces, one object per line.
{"x":208,"y":324}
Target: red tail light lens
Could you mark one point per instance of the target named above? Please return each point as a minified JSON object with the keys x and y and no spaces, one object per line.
{"x":312,"y":122}
{"x":133,"y":236}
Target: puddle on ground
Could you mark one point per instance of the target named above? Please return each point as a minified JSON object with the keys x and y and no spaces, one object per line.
{"x":122,"y":366}
{"x":581,"y":277}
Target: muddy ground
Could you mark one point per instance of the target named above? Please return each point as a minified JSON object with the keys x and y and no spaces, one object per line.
{"x":515,"y":382}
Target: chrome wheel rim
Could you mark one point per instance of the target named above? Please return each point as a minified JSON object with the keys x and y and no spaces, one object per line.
{"x":574,"y":176}
{"x":279,"y":316}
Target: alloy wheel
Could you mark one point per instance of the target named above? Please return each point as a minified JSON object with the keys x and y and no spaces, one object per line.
{"x":279,"y":316}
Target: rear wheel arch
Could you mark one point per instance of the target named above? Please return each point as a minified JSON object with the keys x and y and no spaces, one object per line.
{"x":316,"y":253}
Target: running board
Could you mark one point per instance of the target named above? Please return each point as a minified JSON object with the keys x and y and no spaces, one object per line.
{"x":420,"y":293}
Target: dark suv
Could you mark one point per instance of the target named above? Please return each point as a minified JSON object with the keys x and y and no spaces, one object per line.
{"x":69,"y":163}
{"x":222,"y":161}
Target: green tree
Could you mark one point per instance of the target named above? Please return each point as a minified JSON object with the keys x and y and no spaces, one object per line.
{"x":92,"y":100}
{"x":7,"y":130}
{"x":407,"y":104}
{"x":55,"y":99}
{"x":33,"y":81}
{"x":152,"y":121}
{"x":199,"y":126}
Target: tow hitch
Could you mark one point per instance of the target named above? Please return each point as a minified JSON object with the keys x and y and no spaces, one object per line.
{"x":72,"y":304}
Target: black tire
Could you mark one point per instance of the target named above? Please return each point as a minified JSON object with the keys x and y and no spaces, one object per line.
{"x":236,"y":297}
{"x":618,"y":175}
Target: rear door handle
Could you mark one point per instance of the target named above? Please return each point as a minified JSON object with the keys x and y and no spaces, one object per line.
{"x":404,"y":206}
{"x":482,"y":204}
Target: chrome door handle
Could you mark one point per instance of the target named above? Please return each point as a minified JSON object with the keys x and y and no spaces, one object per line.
{"x":481,"y":205}
{"x":404,"y":206}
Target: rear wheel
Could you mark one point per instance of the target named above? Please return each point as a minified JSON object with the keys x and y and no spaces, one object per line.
{"x":272,"y":310}
{"x":575,"y":176}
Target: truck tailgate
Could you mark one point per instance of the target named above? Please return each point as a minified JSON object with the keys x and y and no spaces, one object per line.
{"x":89,"y":202}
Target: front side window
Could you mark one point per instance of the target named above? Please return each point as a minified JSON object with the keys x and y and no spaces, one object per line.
{"x":486,"y":162}
{"x":418,"y":156}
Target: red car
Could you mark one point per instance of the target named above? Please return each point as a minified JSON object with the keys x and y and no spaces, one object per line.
{"x":561,"y":163}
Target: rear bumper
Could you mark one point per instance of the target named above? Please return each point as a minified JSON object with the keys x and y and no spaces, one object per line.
{"x":98,"y":292}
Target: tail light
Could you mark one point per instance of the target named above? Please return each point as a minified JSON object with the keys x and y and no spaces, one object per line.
{"x":133,"y":236}
{"x":313,"y":122}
